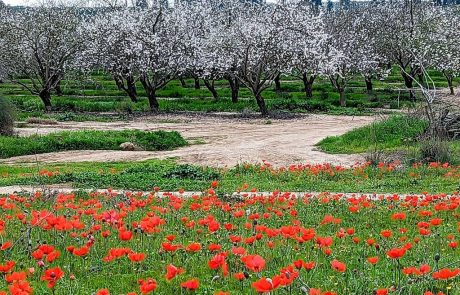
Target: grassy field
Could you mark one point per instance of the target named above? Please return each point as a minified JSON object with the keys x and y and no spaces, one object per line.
{"x":397,"y":133}
{"x":89,"y":140}
{"x":100,"y":94}
{"x":170,"y":176}
{"x":114,"y":244}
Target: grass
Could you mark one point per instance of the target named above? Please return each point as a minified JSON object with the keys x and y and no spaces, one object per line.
{"x":89,"y":140}
{"x":389,"y":134}
{"x":100,"y":94}
{"x":78,"y":236}
{"x":170,"y":176}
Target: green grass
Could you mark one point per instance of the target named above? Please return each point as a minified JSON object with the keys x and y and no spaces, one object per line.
{"x":389,"y":134}
{"x":101,"y":95}
{"x":90,"y":140}
{"x":170,"y":176}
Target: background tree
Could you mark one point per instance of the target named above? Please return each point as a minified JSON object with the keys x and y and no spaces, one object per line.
{"x":113,"y":47}
{"x":40,"y":44}
{"x":445,"y":47}
{"x":254,"y":42}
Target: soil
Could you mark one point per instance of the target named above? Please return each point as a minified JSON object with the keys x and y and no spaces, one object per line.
{"x":218,"y":140}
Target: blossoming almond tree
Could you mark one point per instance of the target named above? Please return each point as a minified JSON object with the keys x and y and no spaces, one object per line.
{"x":40,"y":44}
{"x":254,"y":42}
{"x":113,"y":47}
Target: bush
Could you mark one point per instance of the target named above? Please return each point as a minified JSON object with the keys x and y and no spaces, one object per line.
{"x":389,"y":134}
{"x":89,"y":140}
{"x":7,"y":116}
{"x":435,"y":150}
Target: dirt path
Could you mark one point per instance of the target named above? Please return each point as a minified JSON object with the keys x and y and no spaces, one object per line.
{"x":227,"y":141}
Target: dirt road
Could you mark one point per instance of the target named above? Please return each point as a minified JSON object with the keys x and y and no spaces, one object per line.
{"x":224,"y":141}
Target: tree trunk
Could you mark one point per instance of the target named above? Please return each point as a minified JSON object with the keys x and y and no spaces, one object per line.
{"x":308,"y":85}
{"x":197,"y":83}
{"x":131,"y":89}
{"x":211,"y":88}
{"x":278,"y":83}
{"x":409,"y":84}
{"x":343,"y":102}
{"x":153,"y":101}
{"x":58,"y":89}
{"x":45,"y":95}
{"x":235,"y":87}
{"x":261,"y":103}
{"x":119,"y":83}
{"x":449,"y":82}
{"x":369,"y":85}
{"x":151,"y":94}
{"x":182,"y":82}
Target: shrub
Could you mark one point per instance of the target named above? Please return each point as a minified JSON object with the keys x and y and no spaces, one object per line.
{"x":89,"y":140}
{"x":6,"y":117}
{"x":435,"y":150}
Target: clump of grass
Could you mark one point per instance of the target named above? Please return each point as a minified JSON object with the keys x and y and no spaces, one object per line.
{"x":89,"y":140}
{"x":7,"y":115}
{"x":392,"y":133}
{"x":41,"y":121}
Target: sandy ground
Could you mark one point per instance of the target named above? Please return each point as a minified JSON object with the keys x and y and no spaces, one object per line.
{"x":224,"y":141}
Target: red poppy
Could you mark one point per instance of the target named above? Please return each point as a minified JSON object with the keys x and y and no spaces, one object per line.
{"x":52,"y":275}
{"x":338,"y":266}
{"x":396,"y":253}
{"x":191,"y":285}
{"x":136,"y":257}
{"x":445,"y":273}
{"x":265,"y":285}
{"x":147,"y":286}
{"x":373,"y":260}
{"x":254,"y":263}
{"x":172,"y":271}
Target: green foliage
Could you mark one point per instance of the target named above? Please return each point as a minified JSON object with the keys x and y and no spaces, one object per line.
{"x":89,"y":140}
{"x":192,"y":172}
{"x":391,"y":133}
{"x":170,"y":176}
{"x":7,"y":115}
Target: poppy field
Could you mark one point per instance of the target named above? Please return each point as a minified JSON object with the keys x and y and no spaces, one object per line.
{"x":212,"y":243}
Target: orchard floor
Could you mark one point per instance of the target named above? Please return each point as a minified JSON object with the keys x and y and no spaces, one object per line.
{"x":217,"y":140}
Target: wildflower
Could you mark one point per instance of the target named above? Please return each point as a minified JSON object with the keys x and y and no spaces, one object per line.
{"x":191,"y":285}
{"x":52,"y":275}
{"x":338,"y":266}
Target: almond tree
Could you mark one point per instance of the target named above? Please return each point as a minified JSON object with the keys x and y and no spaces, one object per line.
{"x":254,"y":42}
{"x":308,"y":45}
{"x":113,"y":47}
{"x":40,"y":44}
{"x":350,"y":55}
{"x":160,"y":46}
{"x":403,"y":27}
{"x":444,"y":45}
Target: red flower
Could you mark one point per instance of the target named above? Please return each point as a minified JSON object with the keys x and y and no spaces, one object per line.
{"x":265,"y":285}
{"x":193,"y":247}
{"x":136,"y":257}
{"x":338,"y":266}
{"x":7,"y":266}
{"x":83,"y":251}
{"x":396,"y":253}
{"x":373,"y":260}
{"x":445,"y":273}
{"x":125,"y":235}
{"x":191,"y":285}
{"x":147,"y":286}
{"x":103,"y":292}
{"x":254,"y":263}
{"x":381,"y":292}
{"x":52,"y":275}
{"x":172,"y":271}
{"x":20,"y":288}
